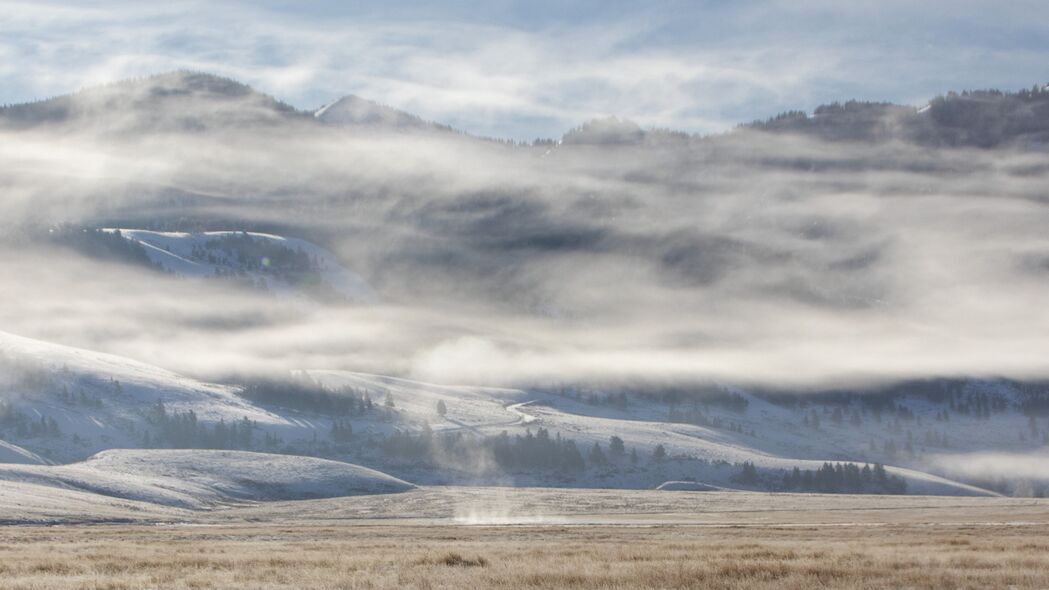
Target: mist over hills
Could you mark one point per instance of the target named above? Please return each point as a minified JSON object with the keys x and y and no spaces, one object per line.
{"x":187,"y":100}
{"x":178,"y":101}
{"x":848,"y":221}
{"x":982,"y":118}
{"x":189,"y":261}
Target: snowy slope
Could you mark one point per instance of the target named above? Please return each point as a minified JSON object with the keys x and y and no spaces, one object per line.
{"x":62,"y":404}
{"x":201,"y":255}
{"x":27,"y":503}
{"x":10,"y":453}
{"x":699,"y":453}
{"x":139,"y":382}
{"x":199,"y":479}
{"x":99,"y":401}
{"x":468,"y":408}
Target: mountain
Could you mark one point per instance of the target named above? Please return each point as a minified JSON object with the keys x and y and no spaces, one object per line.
{"x":180,"y":101}
{"x":187,"y":101}
{"x":982,"y":119}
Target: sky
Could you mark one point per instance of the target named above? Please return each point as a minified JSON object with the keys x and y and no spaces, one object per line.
{"x":523,"y":70}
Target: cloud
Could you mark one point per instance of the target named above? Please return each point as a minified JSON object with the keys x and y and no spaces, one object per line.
{"x":992,"y":465}
{"x":514,"y":73}
{"x":748,"y":258}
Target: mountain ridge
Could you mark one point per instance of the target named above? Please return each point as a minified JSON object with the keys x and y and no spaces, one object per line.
{"x":977,"y":118}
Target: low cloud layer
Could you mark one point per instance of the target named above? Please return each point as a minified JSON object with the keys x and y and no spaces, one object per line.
{"x":1008,"y":467}
{"x":748,"y":258}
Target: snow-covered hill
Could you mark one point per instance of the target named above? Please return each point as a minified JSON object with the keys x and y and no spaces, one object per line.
{"x":287,"y":266}
{"x":27,"y":503}
{"x":199,"y":479}
{"x":63,"y":404}
{"x":67,"y":403}
{"x":697,"y":453}
{"x":473,"y":409}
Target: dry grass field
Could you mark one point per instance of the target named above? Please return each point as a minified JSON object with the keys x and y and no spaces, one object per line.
{"x":367,"y":555}
{"x":516,"y":538}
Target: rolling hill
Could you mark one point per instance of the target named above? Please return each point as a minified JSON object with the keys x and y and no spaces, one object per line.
{"x":67,"y":404}
{"x":199,"y":479}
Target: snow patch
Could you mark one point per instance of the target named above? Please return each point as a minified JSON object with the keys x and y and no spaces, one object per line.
{"x":687,"y":486}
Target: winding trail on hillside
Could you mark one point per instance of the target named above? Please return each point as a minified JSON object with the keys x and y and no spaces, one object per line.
{"x":520,"y":418}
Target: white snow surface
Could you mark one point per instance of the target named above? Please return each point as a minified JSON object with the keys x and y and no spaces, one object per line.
{"x":686,"y":486}
{"x":200,"y":479}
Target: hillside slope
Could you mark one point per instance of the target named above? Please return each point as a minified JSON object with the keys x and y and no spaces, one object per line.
{"x":356,"y":111}
{"x":710,"y":454}
{"x":179,"y":101}
{"x":10,"y":453}
{"x":65,"y":404}
{"x":287,"y":266}
{"x":198,"y":479}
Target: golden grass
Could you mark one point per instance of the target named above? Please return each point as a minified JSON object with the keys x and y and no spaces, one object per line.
{"x":466,"y":558}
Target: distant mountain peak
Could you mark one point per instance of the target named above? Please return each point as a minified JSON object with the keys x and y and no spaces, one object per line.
{"x":189,"y":81}
{"x":354,"y":110}
{"x":180,"y":99}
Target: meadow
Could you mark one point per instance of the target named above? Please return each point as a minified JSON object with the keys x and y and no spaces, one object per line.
{"x":378,"y":555}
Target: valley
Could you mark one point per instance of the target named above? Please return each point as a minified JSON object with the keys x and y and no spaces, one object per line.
{"x":70,"y":405}
{"x":524,"y":295}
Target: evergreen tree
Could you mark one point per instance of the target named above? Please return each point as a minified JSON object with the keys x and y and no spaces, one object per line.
{"x":596,"y":455}
{"x":659,"y":454}
{"x":748,"y":474}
